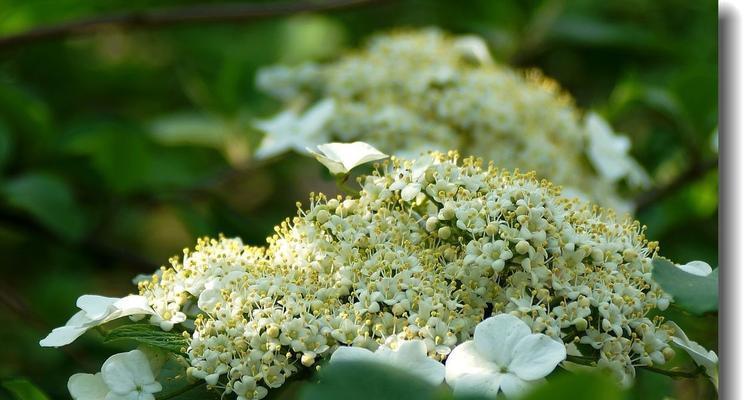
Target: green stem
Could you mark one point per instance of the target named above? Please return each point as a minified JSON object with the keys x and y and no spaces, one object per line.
{"x":588,"y":361}
{"x":671,"y":373}
{"x":676,"y":373}
{"x":180,"y":391}
{"x":342,"y":184}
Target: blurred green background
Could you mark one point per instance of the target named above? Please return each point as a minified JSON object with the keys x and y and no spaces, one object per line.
{"x":118,"y":149}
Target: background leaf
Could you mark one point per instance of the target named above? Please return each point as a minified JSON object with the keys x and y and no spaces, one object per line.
{"x":49,"y":200}
{"x":23,"y":389}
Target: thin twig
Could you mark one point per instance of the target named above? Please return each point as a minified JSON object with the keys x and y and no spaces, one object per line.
{"x":202,"y":13}
{"x":693,"y":173}
{"x":676,"y":373}
{"x":588,"y":361}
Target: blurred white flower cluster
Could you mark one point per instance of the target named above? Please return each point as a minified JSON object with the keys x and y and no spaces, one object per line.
{"x":429,"y":250}
{"x":412,"y":91}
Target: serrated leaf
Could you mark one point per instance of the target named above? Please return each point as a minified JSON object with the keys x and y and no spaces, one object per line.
{"x":697,"y":294}
{"x":49,"y":200}
{"x":150,"y":335}
{"x":23,"y":389}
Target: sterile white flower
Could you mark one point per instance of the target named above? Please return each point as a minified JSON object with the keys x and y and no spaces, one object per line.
{"x":408,"y":355}
{"x":609,"y":152}
{"x":96,"y":310}
{"x":699,"y":268}
{"x":340,"y":158}
{"x":124,"y":376}
{"x":702,"y":357}
{"x":503,"y":355}
{"x":289,"y":131}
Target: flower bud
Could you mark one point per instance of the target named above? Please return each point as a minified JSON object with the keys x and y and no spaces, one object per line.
{"x":444,"y":232}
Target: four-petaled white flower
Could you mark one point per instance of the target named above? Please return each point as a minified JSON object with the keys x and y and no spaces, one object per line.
{"x":124,"y":376}
{"x":699,"y":268}
{"x":340,"y":158}
{"x":702,"y":357}
{"x":609,"y":153}
{"x":96,"y":310}
{"x":409,"y":355}
{"x":503,"y":355}
{"x":290,"y":131}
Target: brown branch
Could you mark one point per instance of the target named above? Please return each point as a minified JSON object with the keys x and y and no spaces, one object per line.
{"x":692,"y":174}
{"x":202,"y":13}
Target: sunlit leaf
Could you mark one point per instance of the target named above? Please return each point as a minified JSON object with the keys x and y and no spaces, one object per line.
{"x":697,"y":294}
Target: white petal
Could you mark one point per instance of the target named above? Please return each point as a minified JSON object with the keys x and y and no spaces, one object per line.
{"x":352,"y":354}
{"x":339,"y":157}
{"x":607,"y":151}
{"x":485,"y":385}
{"x":410,"y":191}
{"x":280,"y":133}
{"x":420,"y":166}
{"x":123,"y":372}
{"x":312,"y":122}
{"x":96,"y":307}
{"x":63,"y":336}
{"x":536,"y":356}
{"x":497,"y":336}
{"x":411,"y":356}
{"x":699,"y":268}
{"x":513,"y":387}
{"x":209,"y":298}
{"x":701,"y":356}
{"x":465,"y":360}
{"x":474,"y":47}
{"x":129,"y":305}
{"x":87,"y":387}
{"x":334,"y":167}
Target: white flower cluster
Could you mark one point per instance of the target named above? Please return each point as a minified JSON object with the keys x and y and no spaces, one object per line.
{"x":429,"y":249}
{"x":412,"y":91}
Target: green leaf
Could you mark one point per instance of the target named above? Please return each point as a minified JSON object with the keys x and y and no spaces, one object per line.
{"x":345,"y":381}
{"x":119,"y":154}
{"x":23,"y":389}
{"x":49,"y":200}
{"x":697,"y":294}
{"x":150,"y":335}
{"x":595,"y":386}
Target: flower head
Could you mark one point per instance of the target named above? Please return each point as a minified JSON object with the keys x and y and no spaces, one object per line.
{"x":503,"y":355}
{"x":412,"y":91}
